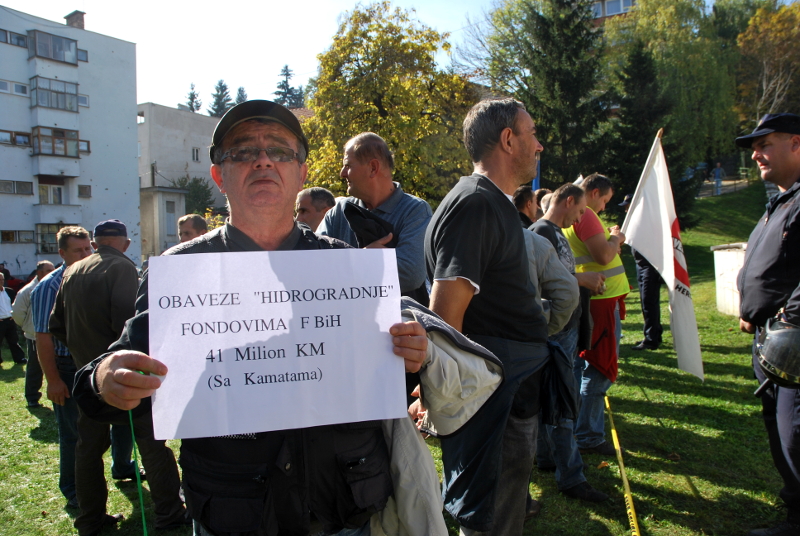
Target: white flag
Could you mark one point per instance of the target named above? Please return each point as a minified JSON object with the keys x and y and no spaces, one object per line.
{"x":651,"y":227}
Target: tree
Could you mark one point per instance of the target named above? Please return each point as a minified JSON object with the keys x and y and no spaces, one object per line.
{"x":200,"y":196}
{"x":193,"y":100}
{"x":643,"y":110}
{"x":285,"y":91}
{"x":771,"y":61}
{"x":298,"y":98}
{"x":547,"y":54}
{"x":380,"y":75}
{"x":221,"y":100}
{"x":693,"y":69}
{"x":241,"y":95}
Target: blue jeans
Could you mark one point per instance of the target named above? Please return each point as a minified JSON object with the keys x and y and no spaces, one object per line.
{"x":590,"y":426}
{"x":122,"y":465}
{"x":67,"y":421}
{"x":556,"y":445}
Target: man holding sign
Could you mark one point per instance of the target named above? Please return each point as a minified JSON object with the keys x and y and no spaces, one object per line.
{"x":263,"y":482}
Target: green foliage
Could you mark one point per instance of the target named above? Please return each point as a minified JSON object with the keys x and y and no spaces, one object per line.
{"x":241,"y":95}
{"x":547,"y":53}
{"x":200,"y":196}
{"x":380,"y":75}
{"x":291,"y":97}
{"x":642,"y":111}
{"x":770,"y":70}
{"x":692,"y":70}
{"x":221,"y":100}
{"x":193,"y":100}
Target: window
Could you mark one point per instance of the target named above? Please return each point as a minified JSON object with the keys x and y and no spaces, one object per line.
{"x":597,"y":9}
{"x":84,"y":190}
{"x":171,"y":225}
{"x":55,"y":141}
{"x":13,"y":87}
{"x":46,"y":236}
{"x":83,"y":100}
{"x":51,"y":195}
{"x":15,"y":138}
{"x":57,"y":94}
{"x":16,"y":187}
{"x":52,"y":47}
{"x":18,"y":237}
{"x":83,"y":55}
{"x":196,"y":154}
{"x":140,"y":118}
{"x":627,"y":5}
{"x":613,"y":7}
{"x":3,"y":36}
{"x":17,"y":39}
{"x":83,"y":146}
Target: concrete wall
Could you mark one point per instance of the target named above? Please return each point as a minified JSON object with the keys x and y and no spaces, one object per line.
{"x":108,"y":123}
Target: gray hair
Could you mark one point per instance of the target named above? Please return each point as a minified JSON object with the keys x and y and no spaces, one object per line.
{"x":486,"y":121}
{"x":369,"y":146}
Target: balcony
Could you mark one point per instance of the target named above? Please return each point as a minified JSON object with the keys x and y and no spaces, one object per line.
{"x":57,"y":213}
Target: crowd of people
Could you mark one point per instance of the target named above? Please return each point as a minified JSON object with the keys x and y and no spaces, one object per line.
{"x":510,"y":338}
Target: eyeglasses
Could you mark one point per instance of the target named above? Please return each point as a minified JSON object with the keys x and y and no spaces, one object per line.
{"x":250,"y":154}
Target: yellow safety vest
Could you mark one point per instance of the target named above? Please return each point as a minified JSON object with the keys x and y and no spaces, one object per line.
{"x":616,"y":280}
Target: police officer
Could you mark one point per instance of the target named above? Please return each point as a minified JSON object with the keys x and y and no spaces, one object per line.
{"x":769,"y":285}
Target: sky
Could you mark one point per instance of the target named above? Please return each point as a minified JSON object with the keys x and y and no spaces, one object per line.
{"x":180,"y":43}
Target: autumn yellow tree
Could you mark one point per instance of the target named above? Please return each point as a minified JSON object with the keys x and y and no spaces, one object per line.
{"x":380,"y":75}
{"x":770,"y":69}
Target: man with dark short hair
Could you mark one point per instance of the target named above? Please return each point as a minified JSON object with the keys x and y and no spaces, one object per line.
{"x":96,"y":298}
{"x":312,"y":204}
{"x":55,"y":359}
{"x":367,"y":167}
{"x":22,"y":312}
{"x":476,"y":258}
{"x":191,"y":226}
{"x":271,"y":482}
{"x":769,"y":287}
{"x":525,"y":202}
{"x":596,"y":249}
{"x":557,"y":449}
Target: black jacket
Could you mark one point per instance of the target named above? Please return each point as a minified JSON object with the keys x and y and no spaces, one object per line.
{"x":770,"y":277}
{"x":265,"y":483}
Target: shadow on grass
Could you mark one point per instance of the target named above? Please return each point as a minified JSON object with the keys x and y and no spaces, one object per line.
{"x":10,"y":372}
{"x":46,"y":430}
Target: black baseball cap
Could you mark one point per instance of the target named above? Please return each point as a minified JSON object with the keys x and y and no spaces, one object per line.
{"x":788,"y":123}
{"x":110,"y":228}
{"x":626,"y":201}
{"x":256,"y":109}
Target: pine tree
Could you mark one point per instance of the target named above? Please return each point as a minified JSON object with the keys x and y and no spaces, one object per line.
{"x":221,"y":100}
{"x":643,"y":110}
{"x":547,"y":53}
{"x":284,"y":93}
{"x":298,"y":98}
{"x":193,"y":100}
{"x":241,"y":95}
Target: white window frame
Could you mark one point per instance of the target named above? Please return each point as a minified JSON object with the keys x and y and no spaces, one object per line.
{"x":609,"y":12}
{"x":86,"y":97}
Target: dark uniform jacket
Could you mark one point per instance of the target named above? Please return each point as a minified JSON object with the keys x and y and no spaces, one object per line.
{"x":770,"y":276}
{"x":96,"y":298}
{"x":265,"y":483}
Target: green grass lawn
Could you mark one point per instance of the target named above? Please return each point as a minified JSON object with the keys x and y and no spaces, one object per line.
{"x":697,"y":456}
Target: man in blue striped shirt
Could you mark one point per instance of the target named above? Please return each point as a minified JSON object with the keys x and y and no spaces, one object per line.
{"x":55,"y":359}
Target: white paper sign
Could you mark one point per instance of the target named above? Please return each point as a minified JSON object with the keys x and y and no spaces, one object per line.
{"x":261,"y":341}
